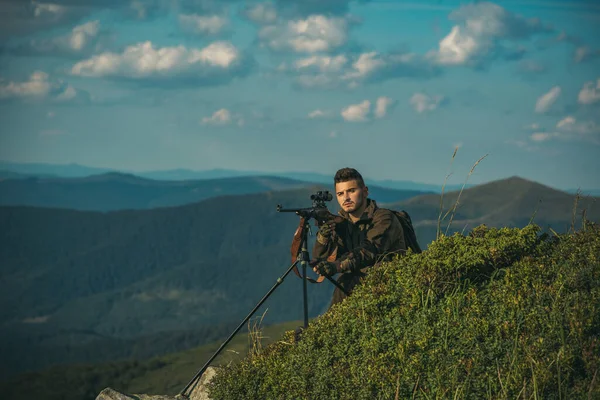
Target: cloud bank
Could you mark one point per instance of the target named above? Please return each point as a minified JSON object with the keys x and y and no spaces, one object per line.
{"x":218,"y":62}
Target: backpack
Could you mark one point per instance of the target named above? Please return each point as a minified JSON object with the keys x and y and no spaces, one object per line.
{"x":409,"y":231}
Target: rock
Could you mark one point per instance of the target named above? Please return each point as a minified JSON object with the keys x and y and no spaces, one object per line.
{"x":199,"y":393}
{"x":111,"y":394}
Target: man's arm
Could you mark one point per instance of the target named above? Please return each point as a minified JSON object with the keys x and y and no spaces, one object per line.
{"x":385,"y":236}
{"x":324,"y":243}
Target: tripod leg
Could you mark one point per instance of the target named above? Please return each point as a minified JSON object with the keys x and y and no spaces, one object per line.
{"x":305,"y":293}
{"x":337,"y":285}
{"x":305,"y":262}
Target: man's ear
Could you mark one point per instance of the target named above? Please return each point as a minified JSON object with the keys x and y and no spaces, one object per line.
{"x":366,"y":191}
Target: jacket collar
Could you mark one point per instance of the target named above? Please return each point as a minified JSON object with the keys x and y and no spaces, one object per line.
{"x":367,"y":213}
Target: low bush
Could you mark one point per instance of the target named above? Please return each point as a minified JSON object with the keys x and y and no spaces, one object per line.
{"x":494,"y":314}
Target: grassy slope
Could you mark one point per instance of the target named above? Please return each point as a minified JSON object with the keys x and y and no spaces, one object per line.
{"x":497,"y":314}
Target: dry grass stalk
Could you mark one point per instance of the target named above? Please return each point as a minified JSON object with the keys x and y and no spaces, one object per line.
{"x":437,"y":235}
{"x":461,"y":190}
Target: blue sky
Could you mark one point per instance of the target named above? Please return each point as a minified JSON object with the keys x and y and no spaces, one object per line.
{"x":388,"y":87}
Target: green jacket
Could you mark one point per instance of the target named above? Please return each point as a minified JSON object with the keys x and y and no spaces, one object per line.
{"x":376,"y":237}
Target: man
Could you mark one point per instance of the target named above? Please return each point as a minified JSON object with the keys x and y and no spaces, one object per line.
{"x":368,"y":235}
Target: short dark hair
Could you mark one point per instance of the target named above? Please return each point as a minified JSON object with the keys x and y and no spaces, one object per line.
{"x":348,"y":174}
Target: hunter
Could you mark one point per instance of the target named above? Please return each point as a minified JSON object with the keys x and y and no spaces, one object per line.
{"x":368,"y":236}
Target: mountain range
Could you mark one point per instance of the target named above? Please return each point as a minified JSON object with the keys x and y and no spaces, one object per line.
{"x":118,"y":191}
{"x":93,"y":285}
{"x":24,"y":170}
{"x":72,"y":170}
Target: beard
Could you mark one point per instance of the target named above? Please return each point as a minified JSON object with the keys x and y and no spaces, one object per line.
{"x":353,"y":206}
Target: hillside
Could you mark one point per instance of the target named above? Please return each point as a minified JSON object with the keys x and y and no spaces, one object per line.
{"x":510,"y":202}
{"x":494,"y":314}
{"x":70,"y":279}
{"x":119,"y":191}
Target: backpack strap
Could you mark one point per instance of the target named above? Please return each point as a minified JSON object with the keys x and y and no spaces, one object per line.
{"x":409,"y":233}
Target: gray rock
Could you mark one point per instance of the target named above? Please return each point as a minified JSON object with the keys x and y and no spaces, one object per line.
{"x":200,"y":392}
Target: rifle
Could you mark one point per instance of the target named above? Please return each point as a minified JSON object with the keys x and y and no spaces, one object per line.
{"x":321,"y":215}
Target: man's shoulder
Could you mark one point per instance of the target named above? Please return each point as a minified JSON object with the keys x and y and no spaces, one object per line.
{"x":383,"y":213}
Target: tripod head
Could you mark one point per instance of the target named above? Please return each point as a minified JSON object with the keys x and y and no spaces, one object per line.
{"x":318,"y":211}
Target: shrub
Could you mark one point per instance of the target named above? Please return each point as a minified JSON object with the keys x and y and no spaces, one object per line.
{"x":496,"y":314}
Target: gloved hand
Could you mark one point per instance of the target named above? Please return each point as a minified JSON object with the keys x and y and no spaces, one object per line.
{"x":324,"y":233}
{"x":327,"y":268}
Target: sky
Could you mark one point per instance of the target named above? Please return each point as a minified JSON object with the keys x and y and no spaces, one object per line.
{"x":388,"y":87}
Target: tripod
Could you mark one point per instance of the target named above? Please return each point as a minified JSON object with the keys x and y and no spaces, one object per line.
{"x":303,"y":258}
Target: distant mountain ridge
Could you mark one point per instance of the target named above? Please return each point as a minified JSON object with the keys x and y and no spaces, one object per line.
{"x":76,"y":170}
{"x":14,"y":170}
{"x":122,"y":191}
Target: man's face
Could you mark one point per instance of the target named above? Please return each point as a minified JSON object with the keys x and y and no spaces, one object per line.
{"x":350,"y":195}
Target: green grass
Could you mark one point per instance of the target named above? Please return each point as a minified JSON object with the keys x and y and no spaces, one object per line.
{"x":504,"y":313}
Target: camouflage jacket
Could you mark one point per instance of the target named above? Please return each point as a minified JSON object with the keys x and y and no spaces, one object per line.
{"x":377,"y":236}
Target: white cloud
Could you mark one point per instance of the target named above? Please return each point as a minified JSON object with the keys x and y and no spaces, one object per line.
{"x":262,"y":13}
{"x":45,"y":10}
{"x":382,"y":105}
{"x":352,"y":70}
{"x":143,"y":60}
{"x":589,"y":94}
{"x":219,"y":117}
{"x":314,"y":34}
{"x":489,"y":19}
{"x":41,"y":87}
{"x":459,"y":47}
{"x":585,"y":53}
{"x":545,"y":101}
{"x":374,"y":66}
{"x":357,"y":112}
{"x":523,"y":144}
{"x":322,"y":63}
{"x":203,"y":25}
{"x":542,"y":136}
{"x":22,"y":17}
{"x":478,"y":34}
{"x":569,"y":129}
{"x":37,"y":86}
{"x":69,"y":93}
{"x":570,"y":125}
{"x":422,"y":102}
{"x":83,"y":34}
{"x":226,"y":117}
{"x":365,"y":64}
{"x":532,"y":127}
{"x":318,"y":114}
{"x":83,"y":38}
